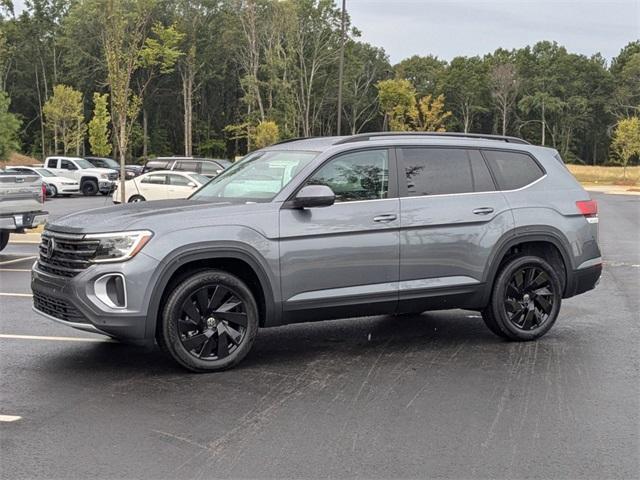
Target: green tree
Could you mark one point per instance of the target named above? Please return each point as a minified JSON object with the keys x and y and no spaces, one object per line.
{"x":626,"y":141}
{"x":65,"y":118}
{"x":466,"y":87}
{"x":397,"y":98}
{"x":99,"y":132}
{"x":425,"y":73}
{"x":9,"y":126}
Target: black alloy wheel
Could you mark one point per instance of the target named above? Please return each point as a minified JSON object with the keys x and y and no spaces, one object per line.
{"x":212,"y":323}
{"x":528,"y":298}
{"x":209,"y":321}
{"x":525,"y":300}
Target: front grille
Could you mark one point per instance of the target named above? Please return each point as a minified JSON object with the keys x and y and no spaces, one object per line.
{"x":65,"y":255}
{"x":113,"y":176}
{"x":57,"y":308}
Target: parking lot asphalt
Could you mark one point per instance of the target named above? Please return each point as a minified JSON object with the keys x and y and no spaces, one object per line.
{"x":432,"y":395}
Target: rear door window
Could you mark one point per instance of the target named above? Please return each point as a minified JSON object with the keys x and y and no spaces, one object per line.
{"x":442,"y":171}
{"x":187,"y":166}
{"x":512,"y":170}
{"x":211,"y":168}
{"x":155,"y":179}
{"x":52,"y":163}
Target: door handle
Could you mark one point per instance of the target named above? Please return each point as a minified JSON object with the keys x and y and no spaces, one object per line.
{"x":483,"y":211}
{"x":390,"y":217}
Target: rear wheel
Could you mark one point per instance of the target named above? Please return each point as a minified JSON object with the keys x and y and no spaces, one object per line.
{"x":136,"y":199}
{"x":525,"y":301}
{"x":54,"y":191}
{"x":89,"y":188}
{"x":209,"y":322}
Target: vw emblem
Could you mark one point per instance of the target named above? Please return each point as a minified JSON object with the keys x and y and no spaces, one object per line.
{"x":51,"y":246}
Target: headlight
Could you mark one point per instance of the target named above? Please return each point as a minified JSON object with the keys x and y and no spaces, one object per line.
{"x":118,"y":246}
{"x":69,"y":183}
{"x":104,"y":176}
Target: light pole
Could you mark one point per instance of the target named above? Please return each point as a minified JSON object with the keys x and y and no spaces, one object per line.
{"x":341,"y":67}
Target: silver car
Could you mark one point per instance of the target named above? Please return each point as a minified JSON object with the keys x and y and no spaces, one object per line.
{"x":333,"y":227}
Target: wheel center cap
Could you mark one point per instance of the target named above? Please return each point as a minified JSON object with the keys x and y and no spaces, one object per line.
{"x":211,"y":322}
{"x":526,"y":298}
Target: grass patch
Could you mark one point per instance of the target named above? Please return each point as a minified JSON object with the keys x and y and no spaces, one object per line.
{"x":606,"y":175}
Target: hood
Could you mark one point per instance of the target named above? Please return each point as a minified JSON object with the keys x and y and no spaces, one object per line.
{"x":97,"y":170}
{"x":157,"y":216}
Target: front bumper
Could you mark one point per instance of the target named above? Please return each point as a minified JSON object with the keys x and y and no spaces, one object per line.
{"x":20,"y":221}
{"x":69,"y":188}
{"x":74,"y":302}
{"x":107,"y":186}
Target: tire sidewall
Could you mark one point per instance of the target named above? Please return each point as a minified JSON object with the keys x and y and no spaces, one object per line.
{"x":136,"y":199}
{"x":172,"y":310}
{"x":54,"y":190}
{"x":93,"y":191}
{"x":497,"y":299}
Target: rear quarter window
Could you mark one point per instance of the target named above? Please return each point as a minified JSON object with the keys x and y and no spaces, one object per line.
{"x":513,"y":170}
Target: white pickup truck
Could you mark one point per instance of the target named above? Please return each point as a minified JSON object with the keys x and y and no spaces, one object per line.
{"x":92,"y":180}
{"x":21,"y":202}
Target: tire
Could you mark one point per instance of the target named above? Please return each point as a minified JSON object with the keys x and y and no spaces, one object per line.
{"x":136,"y":199}
{"x":4,"y":239}
{"x":526,"y":299}
{"x":89,"y":188}
{"x":54,"y":191}
{"x":230,"y":313}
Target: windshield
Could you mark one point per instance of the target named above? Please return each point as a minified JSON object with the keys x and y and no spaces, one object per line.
{"x":82,"y":163}
{"x":259,"y":177}
{"x":111,"y":163}
{"x":201,"y":179}
{"x":45,"y":173}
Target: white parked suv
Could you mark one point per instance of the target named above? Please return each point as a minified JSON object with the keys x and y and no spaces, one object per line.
{"x":56,"y":185}
{"x":92,"y":180}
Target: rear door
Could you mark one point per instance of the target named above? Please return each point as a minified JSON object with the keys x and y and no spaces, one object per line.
{"x":53,"y":164}
{"x":343,"y":260}
{"x":451,"y":217}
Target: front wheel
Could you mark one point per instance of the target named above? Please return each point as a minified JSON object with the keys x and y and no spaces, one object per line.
{"x":136,"y":199}
{"x":525,"y":301}
{"x":54,"y":191}
{"x":209,"y":322}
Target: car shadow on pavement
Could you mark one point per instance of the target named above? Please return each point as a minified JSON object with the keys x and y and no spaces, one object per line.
{"x":292,"y":346}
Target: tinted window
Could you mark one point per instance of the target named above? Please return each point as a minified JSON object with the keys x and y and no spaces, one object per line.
{"x":52,"y":163}
{"x":356,"y":176}
{"x":156,"y":165}
{"x":438,"y":171}
{"x":187,"y":166}
{"x":67,"y":165}
{"x":513,"y":170}
{"x":155,"y":179}
{"x":211,"y":168}
{"x":178,"y":180}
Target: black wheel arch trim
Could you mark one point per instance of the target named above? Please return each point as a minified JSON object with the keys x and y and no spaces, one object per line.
{"x":210,"y":251}
{"x":533,"y":233}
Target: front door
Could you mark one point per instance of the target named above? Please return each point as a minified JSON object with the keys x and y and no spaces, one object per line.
{"x":154,"y":187}
{"x":451,"y":218}
{"x":343,"y":260}
{"x":180,"y":186}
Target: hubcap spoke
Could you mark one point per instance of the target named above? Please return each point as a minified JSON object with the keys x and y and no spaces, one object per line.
{"x":190,"y":309}
{"x":195,"y":342}
{"x":218,"y":296}
{"x":207,"y":347}
{"x":544,"y":304}
{"x":202,"y":298}
{"x":529,"y":298}
{"x":528,"y":319}
{"x":236,"y":318}
{"x":223,"y":344}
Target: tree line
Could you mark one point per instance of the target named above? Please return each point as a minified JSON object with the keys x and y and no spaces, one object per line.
{"x":140,"y":78}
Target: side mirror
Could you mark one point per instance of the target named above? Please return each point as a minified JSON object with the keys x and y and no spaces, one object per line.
{"x":192,"y":185}
{"x":314,"y":196}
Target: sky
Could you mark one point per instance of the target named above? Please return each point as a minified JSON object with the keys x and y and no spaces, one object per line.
{"x":448,"y":28}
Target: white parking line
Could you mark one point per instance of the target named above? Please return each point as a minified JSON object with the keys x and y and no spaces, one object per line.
{"x":16,"y":260}
{"x":9,"y":418}
{"x":16,"y":294}
{"x":54,"y":339}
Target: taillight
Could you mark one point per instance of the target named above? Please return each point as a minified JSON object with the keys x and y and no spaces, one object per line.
{"x":588,"y":208}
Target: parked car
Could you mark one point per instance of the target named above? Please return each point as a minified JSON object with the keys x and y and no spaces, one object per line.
{"x":161,"y":185}
{"x":21,"y":203}
{"x":92,"y":179}
{"x":324,"y":228}
{"x":133,"y":171}
{"x":55,"y":185}
{"x":208,"y":167}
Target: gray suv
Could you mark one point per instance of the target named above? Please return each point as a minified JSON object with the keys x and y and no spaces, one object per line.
{"x":321,"y":228}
